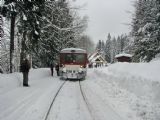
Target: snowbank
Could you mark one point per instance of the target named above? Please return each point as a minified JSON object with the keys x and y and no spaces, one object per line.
{"x":141,"y":79}
{"x":148,"y":71}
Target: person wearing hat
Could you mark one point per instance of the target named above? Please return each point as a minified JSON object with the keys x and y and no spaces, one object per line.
{"x":25,"y":67}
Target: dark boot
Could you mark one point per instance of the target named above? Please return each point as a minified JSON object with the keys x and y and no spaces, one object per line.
{"x":25,"y":85}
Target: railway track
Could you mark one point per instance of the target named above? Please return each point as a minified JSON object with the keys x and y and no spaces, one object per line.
{"x":85,"y":100}
{"x":54,"y":98}
{"x":83,"y":97}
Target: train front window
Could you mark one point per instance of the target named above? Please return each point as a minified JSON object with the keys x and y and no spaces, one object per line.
{"x":74,"y":58}
{"x":80,"y":58}
{"x":67,"y":58}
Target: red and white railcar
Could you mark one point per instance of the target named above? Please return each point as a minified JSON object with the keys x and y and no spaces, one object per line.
{"x":73,"y":63}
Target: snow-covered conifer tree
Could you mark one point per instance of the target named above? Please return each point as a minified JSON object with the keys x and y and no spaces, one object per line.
{"x":60,"y":29}
{"x":108,"y":48}
{"x":145,"y":29}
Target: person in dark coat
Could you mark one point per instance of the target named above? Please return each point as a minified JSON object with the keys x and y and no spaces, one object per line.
{"x":1,"y":71}
{"x":57,"y":69}
{"x":51,"y":67}
{"x":25,"y":67}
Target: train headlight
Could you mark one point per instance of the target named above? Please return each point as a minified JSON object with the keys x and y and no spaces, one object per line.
{"x":83,"y":66}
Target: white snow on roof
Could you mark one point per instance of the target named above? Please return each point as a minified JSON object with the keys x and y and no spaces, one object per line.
{"x":123,"y":54}
{"x":95,"y":56}
{"x":92,"y":56}
{"x":94,"y":59}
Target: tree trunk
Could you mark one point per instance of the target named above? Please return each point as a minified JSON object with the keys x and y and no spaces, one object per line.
{"x":13,"y":16}
{"x":23,"y":47}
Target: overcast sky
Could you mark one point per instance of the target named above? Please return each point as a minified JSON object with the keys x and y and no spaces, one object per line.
{"x":107,"y":16}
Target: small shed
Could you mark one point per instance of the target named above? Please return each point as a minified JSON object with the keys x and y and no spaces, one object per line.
{"x":123,"y":57}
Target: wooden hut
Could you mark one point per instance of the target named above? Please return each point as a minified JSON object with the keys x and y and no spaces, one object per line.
{"x":123,"y":57}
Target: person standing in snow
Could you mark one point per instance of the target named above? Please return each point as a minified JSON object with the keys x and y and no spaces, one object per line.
{"x":57,"y":69}
{"x":51,"y":67}
{"x":1,"y":71}
{"x":25,"y":67}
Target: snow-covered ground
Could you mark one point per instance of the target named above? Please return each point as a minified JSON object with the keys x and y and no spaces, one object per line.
{"x":121,"y":91}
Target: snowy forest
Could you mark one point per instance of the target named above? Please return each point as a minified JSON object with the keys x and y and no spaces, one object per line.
{"x":113,"y":46}
{"x":143,"y":41}
{"x":39,"y":29}
{"x":42,"y":28}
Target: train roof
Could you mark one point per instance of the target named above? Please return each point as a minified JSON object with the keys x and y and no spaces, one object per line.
{"x":73,"y":50}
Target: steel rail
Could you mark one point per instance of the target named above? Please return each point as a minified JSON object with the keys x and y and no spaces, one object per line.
{"x":54,"y":98}
{"x":85,"y":100}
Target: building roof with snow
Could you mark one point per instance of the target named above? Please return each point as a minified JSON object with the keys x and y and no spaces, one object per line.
{"x":96,"y":57}
{"x":123,"y":54}
{"x":123,"y":57}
